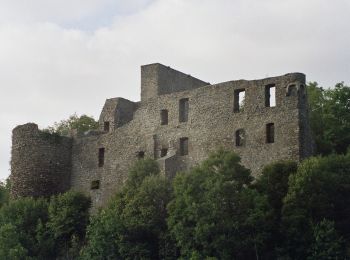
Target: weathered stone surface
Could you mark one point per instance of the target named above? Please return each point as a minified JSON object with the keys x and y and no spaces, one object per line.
{"x":41,"y":162}
{"x":136,"y":127}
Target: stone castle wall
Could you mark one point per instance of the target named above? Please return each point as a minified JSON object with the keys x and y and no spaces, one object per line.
{"x":100,"y":160}
{"x":40,"y":163}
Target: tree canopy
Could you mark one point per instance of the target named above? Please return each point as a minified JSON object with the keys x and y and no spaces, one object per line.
{"x":41,"y":229}
{"x":214,"y":213}
{"x":330,"y":117}
{"x":133,"y":226}
{"x":81,"y":123}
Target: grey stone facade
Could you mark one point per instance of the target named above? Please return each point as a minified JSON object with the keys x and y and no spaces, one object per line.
{"x":178,"y":121}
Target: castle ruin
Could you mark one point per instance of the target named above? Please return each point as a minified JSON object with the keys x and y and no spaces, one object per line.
{"x":178,"y":122}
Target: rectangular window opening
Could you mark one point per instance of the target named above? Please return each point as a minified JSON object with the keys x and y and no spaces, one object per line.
{"x":101,"y":157}
{"x":270,"y":95}
{"x":183,"y":109}
{"x":239,"y":100}
{"x":270,"y":133}
{"x":140,"y":154}
{"x":239,"y":137}
{"x":163,"y":152}
{"x":95,"y":185}
{"x":184,"y":146}
{"x":106,"y":126}
{"x":164,"y":117}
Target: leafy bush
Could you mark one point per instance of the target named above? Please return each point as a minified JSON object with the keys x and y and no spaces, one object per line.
{"x":319,"y":190}
{"x":81,"y":124}
{"x":134,"y":226}
{"x":214,"y":213}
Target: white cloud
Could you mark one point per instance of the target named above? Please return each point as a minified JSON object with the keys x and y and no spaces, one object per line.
{"x":49,"y":71}
{"x":66,"y":12}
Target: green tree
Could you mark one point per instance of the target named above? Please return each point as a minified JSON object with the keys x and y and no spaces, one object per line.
{"x":68,"y":217}
{"x":4,"y":192}
{"x":330,"y":117}
{"x":273,"y":182}
{"x":327,"y":244}
{"x":320,"y":189}
{"x":19,"y":221}
{"x":38,"y":229}
{"x":214,"y":213}
{"x":10,"y":243}
{"x":134,"y":226}
{"x":81,"y":124}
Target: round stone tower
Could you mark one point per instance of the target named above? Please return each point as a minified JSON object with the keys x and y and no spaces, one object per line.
{"x":41,"y":162}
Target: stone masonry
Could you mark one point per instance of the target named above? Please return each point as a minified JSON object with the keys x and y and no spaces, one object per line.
{"x":178,"y":122}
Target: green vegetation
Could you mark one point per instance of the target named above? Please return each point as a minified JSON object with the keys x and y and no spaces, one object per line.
{"x":319,"y":190}
{"x":40,"y":229}
{"x":81,"y":124}
{"x":330,"y":117}
{"x":214,"y":211}
{"x":4,"y":192}
{"x":134,"y":226}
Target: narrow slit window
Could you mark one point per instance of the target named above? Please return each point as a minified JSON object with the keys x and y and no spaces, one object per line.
{"x":184,"y":146}
{"x":164,"y":117}
{"x":106,"y":126}
{"x":270,"y":133}
{"x":163,"y":152}
{"x":95,"y":185}
{"x":101,"y":157}
{"x":239,"y":137}
{"x":183,"y":109}
{"x":239,"y":100}
{"x":270,"y":95}
{"x":140,"y":154}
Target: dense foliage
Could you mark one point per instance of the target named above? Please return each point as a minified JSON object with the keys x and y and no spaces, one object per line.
{"x":4,"y":192}
{"x":214,"y":213}
{"x":330,"y":117}
{"x":40,"y":229}
{"x":319,"y":190}
{"x":134,"y":226}
{"x":74,"y":122}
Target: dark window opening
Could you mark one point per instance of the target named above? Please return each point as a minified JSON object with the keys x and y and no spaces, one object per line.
{"x":291,"y":90}
{"x":101,"y":157}
{"x":183,"y":110}
{"x":106,"y":126}
{"x":270,"y":95}
{"x":240,"y":137}
{"x":95,"y":185}
{"x":184,"y":146}
{"x":163,"y":152}
{"x":270,"y":133}
{"x":164,"y":117}
{"x":302,"y":90}
{"x":141,"y":154}
{"x":239,"y":100}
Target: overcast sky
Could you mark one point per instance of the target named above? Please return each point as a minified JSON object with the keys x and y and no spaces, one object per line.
{"x":58,"y":57}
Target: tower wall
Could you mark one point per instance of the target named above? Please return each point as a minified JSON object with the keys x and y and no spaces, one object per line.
{"x":40,"y":164}
{"x":117,"y":112}
{"x":157,"y":79}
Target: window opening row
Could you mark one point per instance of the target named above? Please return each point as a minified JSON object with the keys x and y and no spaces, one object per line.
{"x":270,"y":135}
{"x":183,"y":112}
{"x":240,"y":96}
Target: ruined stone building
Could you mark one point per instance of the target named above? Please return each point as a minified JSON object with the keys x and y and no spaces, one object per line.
{"x":179,"y":121}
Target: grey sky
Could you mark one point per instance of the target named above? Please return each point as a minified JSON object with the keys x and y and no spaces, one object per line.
{"x":58,"y":57}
